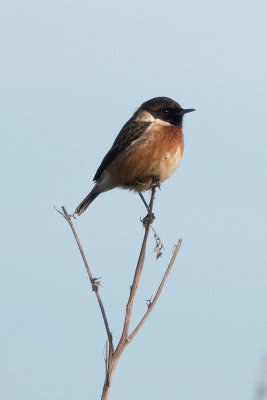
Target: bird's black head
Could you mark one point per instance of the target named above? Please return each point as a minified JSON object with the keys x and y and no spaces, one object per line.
{"x":165,"y":109}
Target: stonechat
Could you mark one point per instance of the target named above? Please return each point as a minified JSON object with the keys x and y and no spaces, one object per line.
{"x":149,"y":146}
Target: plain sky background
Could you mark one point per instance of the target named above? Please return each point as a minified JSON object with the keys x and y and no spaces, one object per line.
{"x":72,"y":73}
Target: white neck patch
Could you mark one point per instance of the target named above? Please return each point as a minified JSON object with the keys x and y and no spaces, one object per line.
{"x":145,"y":116}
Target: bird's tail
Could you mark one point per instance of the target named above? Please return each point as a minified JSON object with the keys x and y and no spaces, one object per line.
{"x":86,"y":202}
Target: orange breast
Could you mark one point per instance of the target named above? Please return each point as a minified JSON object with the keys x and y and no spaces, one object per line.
{"x":157,"y":152}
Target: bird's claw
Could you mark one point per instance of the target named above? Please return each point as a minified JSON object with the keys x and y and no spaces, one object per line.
{"x":149,"y":219}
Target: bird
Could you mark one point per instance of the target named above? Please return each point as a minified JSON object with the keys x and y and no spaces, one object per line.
{"x":149,"y":146}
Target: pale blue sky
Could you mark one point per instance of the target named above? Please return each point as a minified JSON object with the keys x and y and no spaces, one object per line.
{"x":72,"y":73}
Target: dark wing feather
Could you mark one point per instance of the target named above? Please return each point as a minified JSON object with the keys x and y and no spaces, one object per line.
{"x":131,"y":131}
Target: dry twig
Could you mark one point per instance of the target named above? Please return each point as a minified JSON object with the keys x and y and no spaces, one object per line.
{"x":94,"y":281}
{"x":112,"y":356}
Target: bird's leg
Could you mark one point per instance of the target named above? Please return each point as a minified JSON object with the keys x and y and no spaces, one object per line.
{"x":144,"y":201}
{"x":150,"y":217}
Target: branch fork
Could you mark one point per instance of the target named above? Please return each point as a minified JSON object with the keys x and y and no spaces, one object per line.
{"x":112,"y":355}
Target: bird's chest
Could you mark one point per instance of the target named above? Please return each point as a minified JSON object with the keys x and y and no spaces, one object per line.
{"x":169,"y":163}
{"x":169,"y":147}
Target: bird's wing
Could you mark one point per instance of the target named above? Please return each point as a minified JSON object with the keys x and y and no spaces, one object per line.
{"x":131,"y":131}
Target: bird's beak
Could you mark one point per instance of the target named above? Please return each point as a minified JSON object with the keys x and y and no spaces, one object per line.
{"x":188,"y":110}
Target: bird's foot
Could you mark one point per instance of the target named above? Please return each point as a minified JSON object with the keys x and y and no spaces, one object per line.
{"x":149,"y":219}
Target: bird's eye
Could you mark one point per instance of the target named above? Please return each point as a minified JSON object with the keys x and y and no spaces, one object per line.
{"x":166,"y":111}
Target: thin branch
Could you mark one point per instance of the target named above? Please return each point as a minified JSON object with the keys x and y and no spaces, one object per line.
{"x":94,"y":281}
{"x":111,"y":356}
{"x":113,"y":360}
{"x":152,"y":303}
{"x":138,"y":271}
{"x":159,"y":244}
